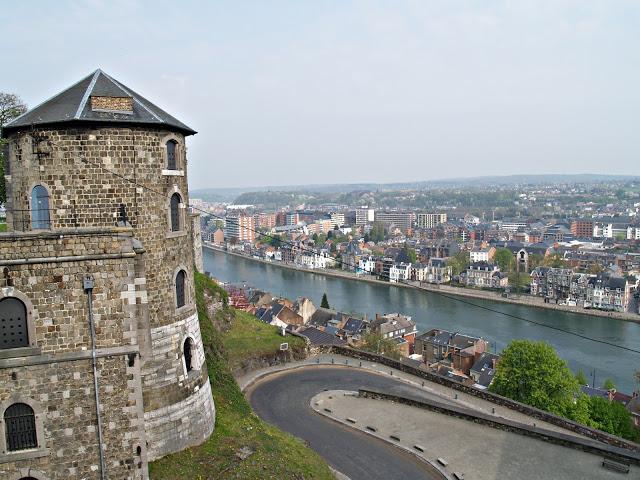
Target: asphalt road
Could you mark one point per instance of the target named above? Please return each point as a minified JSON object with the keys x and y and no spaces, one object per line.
{"x":283,"y":400}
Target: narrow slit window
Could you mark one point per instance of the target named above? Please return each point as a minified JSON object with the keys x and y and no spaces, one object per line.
{"x":172,"y":149}
{"x":180,"y":286}
{"x":175,"y":212}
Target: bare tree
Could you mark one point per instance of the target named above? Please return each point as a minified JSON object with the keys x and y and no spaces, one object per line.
{"x":11,"y":106}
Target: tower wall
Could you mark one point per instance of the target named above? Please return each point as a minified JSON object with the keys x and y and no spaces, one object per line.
{"x":82,"y":169}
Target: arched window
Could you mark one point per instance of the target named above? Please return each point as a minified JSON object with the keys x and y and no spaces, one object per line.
{"x":175,"y":212}
{"x":187,"y":350}
{"x":13,"y":324}
{"x":20,"y":425}
{"x":40,"y":218}
{"x":180,"y":286}
{"x":172,"y":149}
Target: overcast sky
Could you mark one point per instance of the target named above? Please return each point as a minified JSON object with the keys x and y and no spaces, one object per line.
{"x":296,"y":92}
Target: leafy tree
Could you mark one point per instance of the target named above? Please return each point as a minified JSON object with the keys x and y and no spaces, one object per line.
{"x":555,"y":261}
{"x":376,"y":343}
{"x":595,"y":268}
{"x":532,"y":373}
{"x":409,"y":253}
{"x":274,"y":240}
{"x":325,"y":301}
{"x":377,"y":233}
{"x":535,"y":260}
{"x":504,"y":258}
{"x":11,"y":106}
{"x":367,"y":239}
{"x":459,"y":262}
{"x":608,"y":384}
{"x":581,"y":378}
{"x":611,"y":417}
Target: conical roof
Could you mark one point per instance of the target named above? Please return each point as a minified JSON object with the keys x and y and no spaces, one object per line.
{"x":75,"y":105}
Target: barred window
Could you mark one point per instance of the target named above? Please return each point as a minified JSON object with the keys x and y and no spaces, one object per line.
{"x":175,"y":212}
{"x":13,"y":324}
{"x":180,"y":285}
{"x":20,"y":425}
{"x":171,"y":155}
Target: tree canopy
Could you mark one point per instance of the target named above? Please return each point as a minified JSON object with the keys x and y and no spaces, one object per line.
{"x":377,"y":233}
{"x":504,"y":258}
{"x":581,"y":378}
{"x":532,"y":373}
{"x":325,"y":301}
{"x":459,"y":262}
{"x":376,"y":343}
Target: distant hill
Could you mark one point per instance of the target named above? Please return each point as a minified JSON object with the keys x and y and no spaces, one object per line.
{"x":229,"y":194}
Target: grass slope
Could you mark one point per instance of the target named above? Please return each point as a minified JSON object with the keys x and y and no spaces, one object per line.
{"x":277,"y":455}
{"x":244,"y":339}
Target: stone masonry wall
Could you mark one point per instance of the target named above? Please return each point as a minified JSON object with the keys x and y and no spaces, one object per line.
{"x":89,"y":173}
{"x":181,"y":425}
{"x":45,"y":271}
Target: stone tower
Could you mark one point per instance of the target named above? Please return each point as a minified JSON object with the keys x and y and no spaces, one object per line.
{"x":97,"y":191}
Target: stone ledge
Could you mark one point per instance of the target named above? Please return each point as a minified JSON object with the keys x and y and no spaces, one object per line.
{"x":24,"y":455}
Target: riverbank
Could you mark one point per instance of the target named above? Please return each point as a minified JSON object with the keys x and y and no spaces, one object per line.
{"x":445,"y":290}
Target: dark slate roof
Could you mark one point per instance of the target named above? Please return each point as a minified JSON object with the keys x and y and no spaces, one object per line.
{"x":594,"y":392}
{"x":485,"y":360}
{"x":322,"y":316}
{"x":73,"y":106}
{"x":354,"y":326}
{"x":318,"y":337}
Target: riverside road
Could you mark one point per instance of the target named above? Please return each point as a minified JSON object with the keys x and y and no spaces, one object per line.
{"x":283,"y":400}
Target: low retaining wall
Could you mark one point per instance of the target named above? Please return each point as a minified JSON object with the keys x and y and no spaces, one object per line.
{"x":549,"y":436}
{"x":491,"y":397}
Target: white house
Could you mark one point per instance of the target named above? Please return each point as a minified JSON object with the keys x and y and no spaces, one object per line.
{"x":480,"y":255}
{"x":399,"y":272}
{"x":366,"y":265}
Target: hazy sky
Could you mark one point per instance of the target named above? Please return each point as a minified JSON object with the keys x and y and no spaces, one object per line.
{"x":291,"y":92}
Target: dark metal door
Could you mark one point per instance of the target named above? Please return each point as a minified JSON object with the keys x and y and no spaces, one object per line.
{"x":13,"y":324}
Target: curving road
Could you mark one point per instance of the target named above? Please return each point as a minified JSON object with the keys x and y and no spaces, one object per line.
{"x":283,"y":400}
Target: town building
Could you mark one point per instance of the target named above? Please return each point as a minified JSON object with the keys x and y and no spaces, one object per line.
{"x":337,"y":219}
{"x":364,"y":216}
{"x":399,"y":272}
{"x":395,"y":326}
{"x":485,"y":275}
{"x":430,"y":220}
{"x":453,"y":349}
{"x":98,"y":287}
{"x":438,"y":271}
{"x":482,"y":254}
{"x":239,"y":227}
{"x":582,"y":228}
{"x":400,"y":220}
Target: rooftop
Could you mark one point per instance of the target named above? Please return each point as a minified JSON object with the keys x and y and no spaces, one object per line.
{"x":97,"y":99}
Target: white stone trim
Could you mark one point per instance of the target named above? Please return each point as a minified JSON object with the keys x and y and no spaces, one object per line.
{"x":180,"y":425}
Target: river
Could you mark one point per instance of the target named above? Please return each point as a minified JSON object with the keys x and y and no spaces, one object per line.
{"x":431,"y":310}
